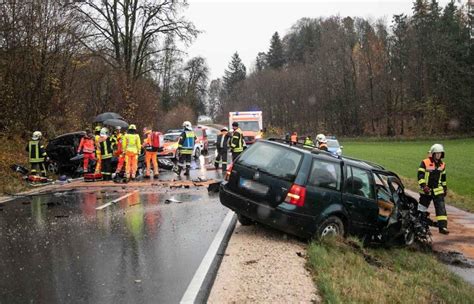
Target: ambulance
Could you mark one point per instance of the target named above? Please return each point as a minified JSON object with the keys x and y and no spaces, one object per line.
{"x":250,"y":122}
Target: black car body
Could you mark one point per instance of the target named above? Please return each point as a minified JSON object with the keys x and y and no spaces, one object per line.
{"x":311,"y":193}
{"x":61,"y":150}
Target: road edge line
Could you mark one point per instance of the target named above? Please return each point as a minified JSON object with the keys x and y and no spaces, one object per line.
{"x":115,"y":200}
{"x":200,"y":286}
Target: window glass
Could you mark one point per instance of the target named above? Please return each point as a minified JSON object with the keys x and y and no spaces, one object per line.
{"x":276,"y":160}
{"x":198,"y":133}
{"x":249,"y":126}
{"x":358,"y":182}
{"x":325,"y":174}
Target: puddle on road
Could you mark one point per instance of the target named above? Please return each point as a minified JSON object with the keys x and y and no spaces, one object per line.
{"x":458,"y":263}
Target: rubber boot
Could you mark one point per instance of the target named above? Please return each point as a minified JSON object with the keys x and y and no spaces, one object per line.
{"x":186,"y":173}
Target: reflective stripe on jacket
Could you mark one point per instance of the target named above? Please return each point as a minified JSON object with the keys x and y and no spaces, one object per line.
{"x":186,"y":142}
{"x":106,"y":148}
{"x":222,"y":141}
{"x":308,"y":143}
{"x":132,"y":143}
{"x":237,"y":141}
{"x":433,"y":175}
{"x":36,"y":152}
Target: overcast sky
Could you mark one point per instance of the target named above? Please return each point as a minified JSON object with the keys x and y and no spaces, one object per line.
{"x":246,"y":26}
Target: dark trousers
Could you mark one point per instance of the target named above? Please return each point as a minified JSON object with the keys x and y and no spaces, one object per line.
{"x":184,"y":160}
{"x":38,"y":168}
{"x":440,"y":208}
{"x":235,"y":155}
{"x":107,"y":168}
{"x":221,"y":158}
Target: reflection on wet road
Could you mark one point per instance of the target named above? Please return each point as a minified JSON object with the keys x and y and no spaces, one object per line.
{"x":144,"y":248}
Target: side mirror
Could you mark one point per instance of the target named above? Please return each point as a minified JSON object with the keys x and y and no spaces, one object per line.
{"x":341,"y":147}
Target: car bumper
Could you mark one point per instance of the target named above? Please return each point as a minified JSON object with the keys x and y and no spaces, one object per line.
{"x":166,"y":155}
{"x":279,"y":218}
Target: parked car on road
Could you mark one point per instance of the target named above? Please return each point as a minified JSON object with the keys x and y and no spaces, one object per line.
{"x":201,"y":139}
{"x":334,"y":147}
{"x":312,"y":193}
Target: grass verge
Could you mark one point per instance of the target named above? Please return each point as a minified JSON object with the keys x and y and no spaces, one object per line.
{"x":13,"y":152}
{"x":345,"y":272}
{"x":404,"y":158}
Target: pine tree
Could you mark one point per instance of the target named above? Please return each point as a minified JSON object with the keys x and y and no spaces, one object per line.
{"x":235,"y":73}
{"x":275,"y":58}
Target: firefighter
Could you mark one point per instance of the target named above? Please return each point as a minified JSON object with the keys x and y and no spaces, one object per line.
{"x":87,"y":148}
{"x":237,"y":143}
{"x":185,"y":148}
{"x":150,"y":153}
{"x":118,"y":150}
{"x":36,"y":154}
{"x":222,"y":145}
{"x":308,"y":142}
{"x":294,"y":138}
{"x":98,"y":165}
{"x":432,"y":181}
{"x":321,"y":142}
{"x":131,"y":148}
{"x":106,"y":154}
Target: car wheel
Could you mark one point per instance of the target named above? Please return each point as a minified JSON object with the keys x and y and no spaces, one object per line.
{"x":197,"y":153}
{"x":244,"y":221}
{"x":409,"y":237}
{"x":53,"y":167}
{"x":332,"y":226}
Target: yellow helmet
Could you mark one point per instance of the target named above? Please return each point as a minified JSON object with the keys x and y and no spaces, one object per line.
{"x":132,"y":127}
{"x":97,"y":128}
{"x":146,"y":130}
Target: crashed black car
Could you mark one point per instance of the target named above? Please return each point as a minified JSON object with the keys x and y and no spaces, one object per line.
{"x":62,"y":152}
{"x":313,"y":193}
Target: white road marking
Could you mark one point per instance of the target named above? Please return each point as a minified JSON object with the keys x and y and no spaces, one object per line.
{"x":115,"y":201}
{"x":200,"y":274}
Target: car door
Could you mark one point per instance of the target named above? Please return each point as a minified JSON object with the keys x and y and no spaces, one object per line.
{"x":359,"y":198}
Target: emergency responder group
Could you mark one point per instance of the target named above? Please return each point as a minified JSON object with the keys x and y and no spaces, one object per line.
{"x":100,"y":148}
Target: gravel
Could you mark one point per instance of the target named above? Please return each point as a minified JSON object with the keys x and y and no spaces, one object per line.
{"x":262,"y":265}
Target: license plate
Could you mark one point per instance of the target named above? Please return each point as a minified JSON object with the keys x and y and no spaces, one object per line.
{"x":253,"y":186}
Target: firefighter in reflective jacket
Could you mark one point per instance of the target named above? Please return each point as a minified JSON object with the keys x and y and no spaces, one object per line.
{"x":150,"y":154}
{"x":185,"y":149}
{"x":87,"y":148}
{"x":106,"y":154}
{"x":294,"y":138}
{"x":222,"y":145}
{"x":98,"y":165}
{"x":132,"y":146}
{"x":237,"y":143}
{"x":432,"y":181}
{"x":36,"y":154}
{"x":308,"y":142}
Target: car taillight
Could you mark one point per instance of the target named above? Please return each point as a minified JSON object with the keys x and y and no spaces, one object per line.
{"x":229,"y":170}
{"x":296,"y":195}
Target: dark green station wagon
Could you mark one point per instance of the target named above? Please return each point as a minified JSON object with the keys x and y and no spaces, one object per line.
{"x":312,"y":193}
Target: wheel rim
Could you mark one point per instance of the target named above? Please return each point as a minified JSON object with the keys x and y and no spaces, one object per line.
{"x":331,"y":229}
{"x":409,"y":237}
{"x":52,"y":168}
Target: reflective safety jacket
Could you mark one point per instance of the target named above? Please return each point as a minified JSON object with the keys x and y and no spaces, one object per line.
{"x":87,"y":145}
{"x":186,"y":142}
{"x":294,"y":137}
{"x":106,"y":148}
{"x":36,"y":151}
{"x":308,"y":143}
{"x":323,"y":146}
{"x":114,"y":139}
{"x":97,"y":144}
{"x":433,"y":174}
{"x":132,"y":143}
{"x":222,"y":142}
{"x":237,"y":141}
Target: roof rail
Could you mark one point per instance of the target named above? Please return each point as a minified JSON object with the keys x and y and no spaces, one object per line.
{"x":311,"y":148}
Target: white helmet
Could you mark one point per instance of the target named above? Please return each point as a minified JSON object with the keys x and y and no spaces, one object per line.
{"x":104,"y":131}
{"x":36,"y":135}
{"x":187,"y":125}
{"x":437,"y":148}
{"x":321,"y":138}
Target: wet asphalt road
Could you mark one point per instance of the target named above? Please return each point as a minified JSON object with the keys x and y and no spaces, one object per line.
{"x":57,"y":248}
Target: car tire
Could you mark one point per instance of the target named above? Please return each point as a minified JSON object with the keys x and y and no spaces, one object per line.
{"x":333,"y":225}
{"x":244,"y":221}
{"x":197,"y":153}
{"x":53,"y":167}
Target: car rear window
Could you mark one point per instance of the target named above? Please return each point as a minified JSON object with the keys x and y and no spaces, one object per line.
{"x":273,"y":159}
{"x":325,"y":174}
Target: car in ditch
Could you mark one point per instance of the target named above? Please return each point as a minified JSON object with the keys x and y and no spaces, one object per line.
{"x":312,"y":193}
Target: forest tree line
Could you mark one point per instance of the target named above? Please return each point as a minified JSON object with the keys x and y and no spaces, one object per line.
{"x":63,"y":62}
{"x":351,"y":76}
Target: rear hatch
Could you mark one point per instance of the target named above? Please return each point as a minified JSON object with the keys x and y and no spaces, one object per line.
{"x":265,"y":172}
